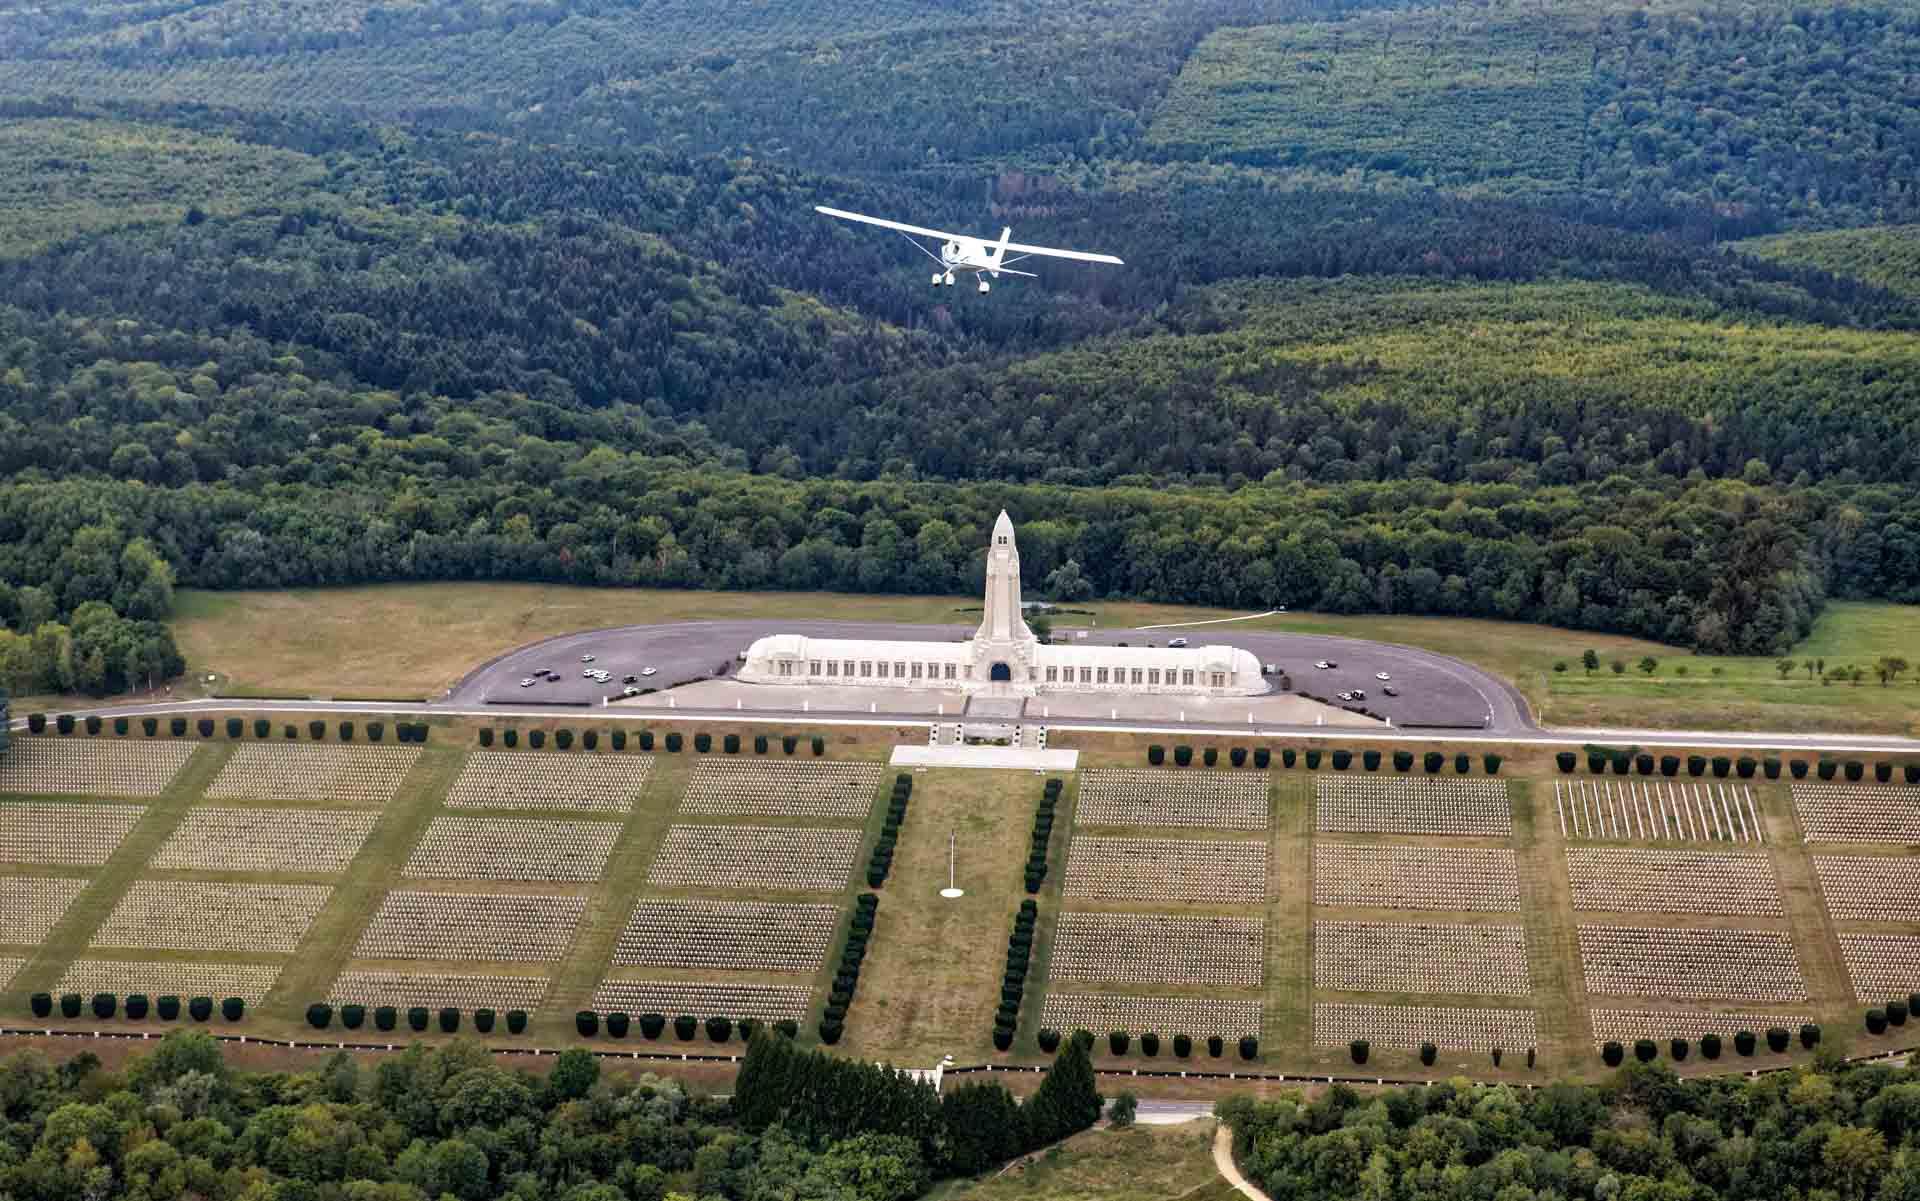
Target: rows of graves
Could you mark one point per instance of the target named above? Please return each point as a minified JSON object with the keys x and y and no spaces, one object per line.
{"x":187,"y":915}
{"x":1160,"y":948}
{"x":1622,"y":880}
{"x":1412,"y":805}
{"x":268,"y":841}
{"x":1201,"y":871}
{"x":360,"y":775}
{"x":1338,"y":1023}
{"x":44,"y":766}
{"x":550,"y":780}
{"x":31,"y":906}
{"x":1484,"y":879}
{"x":781,"y":788}
{"x":1199,"y":799}
{"x":1736,"y":965}
{"x":64,"y":834}
{"x":457,"y":847}
{"x":471,"y":926}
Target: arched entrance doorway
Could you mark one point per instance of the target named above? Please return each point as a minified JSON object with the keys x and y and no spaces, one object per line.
{"x":1000,"y":673}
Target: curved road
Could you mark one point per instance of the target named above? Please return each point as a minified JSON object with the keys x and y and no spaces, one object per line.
{"x":1435,"y":690}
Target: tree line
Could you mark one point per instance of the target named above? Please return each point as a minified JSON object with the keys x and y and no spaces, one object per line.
{"x":451,"y":1122}
{"x":1845,"y":1133}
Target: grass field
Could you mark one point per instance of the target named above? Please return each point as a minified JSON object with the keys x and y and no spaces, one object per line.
{"x":402,"y":640}
{"x":1143,"y":1163}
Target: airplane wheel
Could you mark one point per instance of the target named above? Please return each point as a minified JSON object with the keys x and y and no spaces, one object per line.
{"x":983,"y":285}
{"x":936,"y":280}
{"x":949,"y":279}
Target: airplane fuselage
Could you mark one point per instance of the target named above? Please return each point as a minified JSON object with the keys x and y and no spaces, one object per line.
{"x":965,"y":254}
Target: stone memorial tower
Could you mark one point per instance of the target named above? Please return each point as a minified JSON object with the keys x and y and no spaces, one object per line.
{"x":1003,"y":646}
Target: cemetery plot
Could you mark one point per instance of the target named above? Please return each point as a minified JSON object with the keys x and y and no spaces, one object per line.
{"x":1858,"y":812}
{"x":758,"y":857}
{"x":1130,"y":869}
{"x":509,"y":848}
{"x":1337,"y":1023}
{"x":1870,"y":889}
{"x":320,"y":841}
{"x":1485,"y":879}
{"x":136,"y":769}
{"x":1413,"y":957}
{"x":251,"y":982}
{"x":455,"y":925}
{"x":364,"y":775}
{"x":404,"y":990}
{"x":30,"y":907}
{"x":1155,"y":948}
{"x":513,"y":780}
{"x":734,"y":936}
{"x":1658,"y":810}
{"x":1740,"y":965}
{"x":767,"y":1002}
{"x":781,"y":788}
{"x":1216,"y":800}
{"x":180,"y":915}
{"x":1882,"y":966}
{"x":1623,"y":881}
{"x":9,"y":968}
{"x":1413,"y":805}
{"x":1627,"y":1025}
{"x":77,"y":835}
{"x":1099,"y":1013}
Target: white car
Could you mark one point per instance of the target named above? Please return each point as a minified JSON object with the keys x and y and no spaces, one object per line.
{"x":1381,"y":675}
{"x":647,"y":671}
{"x":1177,"y":642}
{"x":527,"y":683}
{"x":586,"y":658}
{"x":1323,"y":665}
{"x":586,"y":673}
{"x":629,"y":690}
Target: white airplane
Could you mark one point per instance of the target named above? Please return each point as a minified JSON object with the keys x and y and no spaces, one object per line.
{"x":959,"y":252}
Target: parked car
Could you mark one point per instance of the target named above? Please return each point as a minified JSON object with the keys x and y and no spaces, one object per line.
{"x":586,"y":658}
{"x":1359,"y":694}
{"x":629,"y":679}
{"x":1381,"y":675}
{"x":1324,"y":664}
{"x":1390,"y":690}
{"x":629,"y":690}
{"x":1345,"y":696}
{"x":527,"y":683}
{"x":1177,"y":642}
{"x":647,"y":671}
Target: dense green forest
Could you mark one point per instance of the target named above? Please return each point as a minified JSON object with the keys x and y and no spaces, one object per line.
{"x":451,"y":1122}
{"x":1834,"y":1133}
{"x":1427,"y":308}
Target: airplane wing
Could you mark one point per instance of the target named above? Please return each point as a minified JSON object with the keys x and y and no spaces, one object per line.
{"x":923,"y":231}
{"x":884,"y":224}
{"x":1050,"y":252}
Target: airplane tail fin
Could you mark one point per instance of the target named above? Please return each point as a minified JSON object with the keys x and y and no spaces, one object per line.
{"x":1000,"y":251}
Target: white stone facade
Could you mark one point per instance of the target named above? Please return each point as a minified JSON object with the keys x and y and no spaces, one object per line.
{"x":1003,"y":657}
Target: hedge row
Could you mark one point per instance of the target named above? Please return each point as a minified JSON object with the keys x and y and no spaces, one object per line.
{"x":685,"y":1026}
{"x":235,"y":728}
{"x":320,"y":1015}
{"x":1342,"y":759}
{"x":1744,"y":1042}
{"x":564,"y":740}
{"x":105,"y":1005}
{"x":1042,"y":835}
{"x":1893,"y":1013}
{"x":1601,"y":760}
{"x":1118,"y":1041}
{"x":881,"y":861}
{"x":1013,"y":984}
{"x":846,"y":978}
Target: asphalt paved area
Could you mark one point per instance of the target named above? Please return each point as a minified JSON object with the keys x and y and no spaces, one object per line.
{"x":1435,"y":690}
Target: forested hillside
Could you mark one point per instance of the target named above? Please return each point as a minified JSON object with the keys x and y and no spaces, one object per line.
{"x":1426,"y":308}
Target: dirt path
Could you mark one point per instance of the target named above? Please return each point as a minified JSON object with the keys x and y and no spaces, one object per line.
{"x":1223,"y":1160}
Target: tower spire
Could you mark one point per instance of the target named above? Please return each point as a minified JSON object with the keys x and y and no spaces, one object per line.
{"x":1003,"y":623}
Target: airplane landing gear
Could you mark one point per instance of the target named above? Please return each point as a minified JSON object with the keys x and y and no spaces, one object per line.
{"x":949,"y":279}
{"x":983,"y":286}
{"x":936,"y":279}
